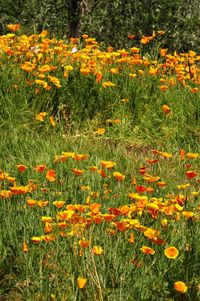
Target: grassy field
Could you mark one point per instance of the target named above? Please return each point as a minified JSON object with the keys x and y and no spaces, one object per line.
{"x":99,"y":170}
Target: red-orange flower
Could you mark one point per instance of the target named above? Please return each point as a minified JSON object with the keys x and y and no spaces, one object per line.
{"x":152,"y":161}
{"x":22,"y":168}
{"x":131,"y":36}
{"x":147,"y":250}
{"x":121,"y":226}
{"x":141,"y":188}
{"x":51,"y":175}
{"x":191,"y":174}
{"x":77,"y":172}
{"x":95,"y":207}
{"x":84,"y":243}
{"x":40,"y":168}
{"x":13,"y":27}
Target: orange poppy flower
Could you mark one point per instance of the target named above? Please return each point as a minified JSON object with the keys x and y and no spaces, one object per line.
{"x":46,"y":219}
{"x":13,"y":27}
{"x":81,"y":282}
{"x":166,"y":110}
{"x":142,"y":170}
{"x":163,"y":88}
{"x":108,"y":217}
{"x":135,"y":50}
{"x":108,"y":84}
{"x":150,"y":189}
{"x":131,"y":240}
{"x":93,"y":168}
{"x":58,"y":204}
{"x":52,"y":121}
{"x":161,"y":32}
{"x":107,"y":164}
{"x":48,"y":228}
{"x":146,"y":39}
{"x":182,"y":154}
{"x":147,"y":250}
{"x":22,"y":168}
{"x":192,"y":155}
{"x":161,"y":184}
{"x":25,"y":247}
{"x":51,"y":175}
{"x":99,"y":77}
{"x":85,"y":71}
{"x":41,"y":116}
{"x":84,"y":36}
{"x":141,"y":188}
{"x":194,"y":90}
{"x":152,"y":161}
{"x":188,"y":214}
{"x":102,"y":173}
{"x":65,"y":215}
{"x":40,"y":168}
{"x":191,"y":174}
{"x":171,"y":253}
{"x":118,"y":176}
{"x":165,"y":155}
{"x":140,"y":72}
{"x":100,"y":131}
{"x":5,"y":194}
{"x":41,"y":203}
{"x":121,"y":226}
{"x":49,"y":238}
{"x":131,"y":36}
{"x":114,"y":211}
{"x":84,"y":243}
{"x":78,"y":157}
{"x":151,"y":179}
{"x":31,"y":202}
{"x":95,"y":207}
{"x":37,"y":239}
{"x":77,"y":172}
{"x":20,"y":189}
{"x":97,"y":250}
{"x":180,"y":287}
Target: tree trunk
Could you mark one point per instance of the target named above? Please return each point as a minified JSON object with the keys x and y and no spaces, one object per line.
{"x":74,"y":17}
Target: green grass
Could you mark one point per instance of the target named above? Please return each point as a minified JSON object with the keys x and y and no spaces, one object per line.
{"x":131,"y":115}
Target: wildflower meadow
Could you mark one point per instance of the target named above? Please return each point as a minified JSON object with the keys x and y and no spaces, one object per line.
{"x":99,"y":170}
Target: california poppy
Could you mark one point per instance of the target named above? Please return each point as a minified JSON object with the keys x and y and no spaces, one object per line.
{"x":51,"y":175}
{"x":166,"y":110}
{"x":81,"y":282}
{"x":147,"y":250}
{"x":97,"y":250}
{"x":180,"y":287}
{"x":171,"y":253}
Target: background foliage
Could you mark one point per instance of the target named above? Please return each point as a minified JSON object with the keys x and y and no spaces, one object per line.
{"x":109,"y":21}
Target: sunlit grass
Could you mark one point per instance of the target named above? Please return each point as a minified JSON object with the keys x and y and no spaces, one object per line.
{"x":99,"y":180}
